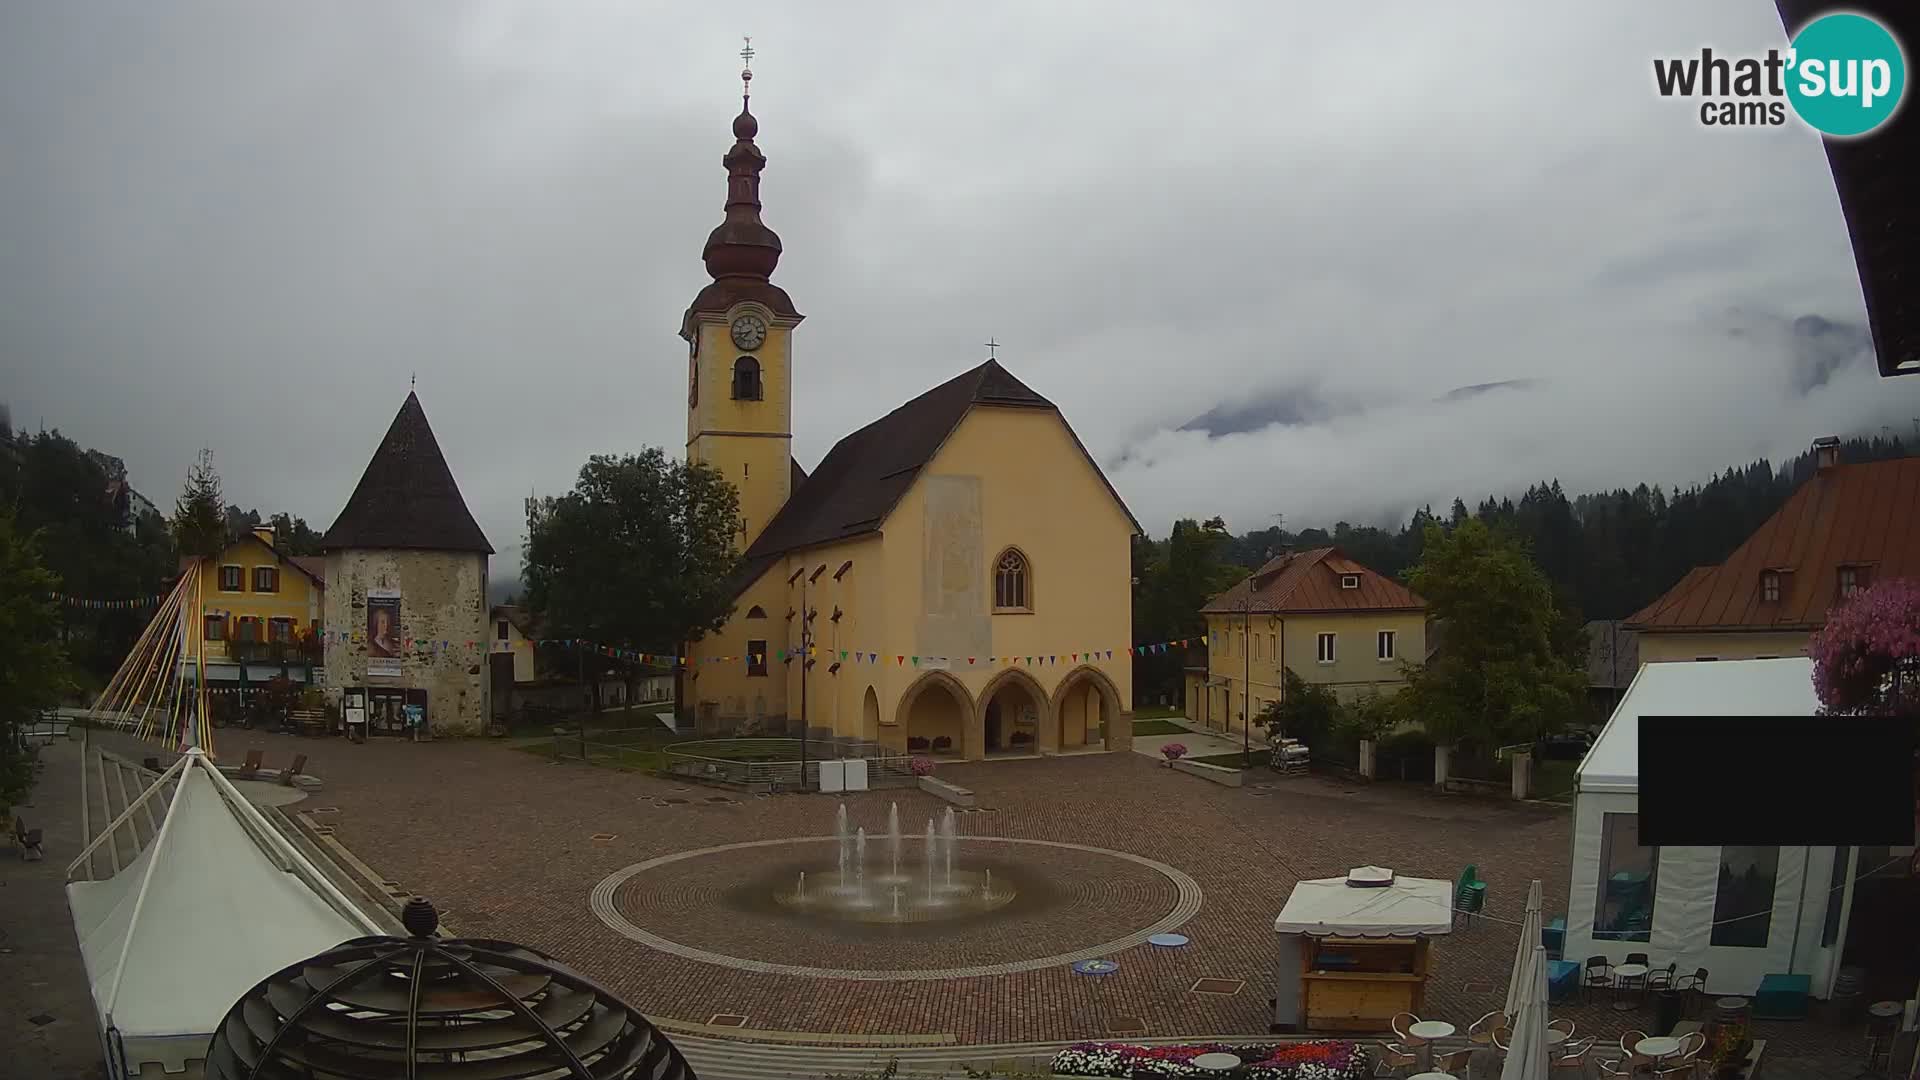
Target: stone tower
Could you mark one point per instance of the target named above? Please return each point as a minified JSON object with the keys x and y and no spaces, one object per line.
{"x":406,"y":569}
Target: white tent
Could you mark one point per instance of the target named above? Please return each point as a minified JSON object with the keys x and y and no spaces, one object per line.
{"x":218,"y":901}
{"x":1626,"y":898}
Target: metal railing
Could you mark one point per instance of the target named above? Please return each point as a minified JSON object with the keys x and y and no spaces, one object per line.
{"x":775,"y":764}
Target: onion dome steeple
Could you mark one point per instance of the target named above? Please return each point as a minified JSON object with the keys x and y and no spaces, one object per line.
{"x":742,"y":246}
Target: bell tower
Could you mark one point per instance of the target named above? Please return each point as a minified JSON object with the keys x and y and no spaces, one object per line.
{"x":739,"y":334}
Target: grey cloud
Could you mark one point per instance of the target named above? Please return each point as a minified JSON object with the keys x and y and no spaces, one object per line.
{"x":245,"y":226}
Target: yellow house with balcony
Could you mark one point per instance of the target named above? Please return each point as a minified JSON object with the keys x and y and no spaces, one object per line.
{"x":953,"y":579}
{"x":1319,"y":614}
{"x":260,"y":609}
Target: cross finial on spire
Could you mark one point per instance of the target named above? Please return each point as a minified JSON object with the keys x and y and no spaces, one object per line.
{"x":413,"y":377}
{"x":991,"y":346}
{"x":746,"y":60}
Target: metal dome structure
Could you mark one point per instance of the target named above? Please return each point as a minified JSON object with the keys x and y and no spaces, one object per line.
{"x":383,"y":1008}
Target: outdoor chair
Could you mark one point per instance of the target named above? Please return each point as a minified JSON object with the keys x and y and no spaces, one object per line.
{"x":1394,"y":1058}
{"x":1616,"y":1067}
{"x":1694,"y":986}
{"x":1599,"y":976}
{"x":28,"y":841}
{"x":1400,"y":1025}
{"x":1454,"y":1063}
{"x":1469,"y":893}
{"x":1573,"y":1055}
{"x":1563,"y":1025}
{"x":1480,"y":1032}
{"x":1502,"y":1040}
{"x":252,"y":765}
{"x":1630,"y":1046}
{"x":1662,"y":978}
{"x":1632,"y":983}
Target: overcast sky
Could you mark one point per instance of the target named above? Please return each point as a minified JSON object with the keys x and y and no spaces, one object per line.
{"x":244,"y":225}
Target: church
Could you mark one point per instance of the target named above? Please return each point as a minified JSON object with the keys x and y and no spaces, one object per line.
{"x":953,"y":580}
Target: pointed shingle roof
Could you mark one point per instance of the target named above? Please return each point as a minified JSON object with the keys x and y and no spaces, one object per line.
{"x":407,"y":497}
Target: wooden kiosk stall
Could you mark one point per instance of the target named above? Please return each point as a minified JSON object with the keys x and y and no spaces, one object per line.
{"x":1353,"y":950}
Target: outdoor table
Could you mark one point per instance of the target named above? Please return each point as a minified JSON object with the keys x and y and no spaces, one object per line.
{"x":1555,"y":1036}
{"x":1427,"y":1031}
{"x":1433,"y":1076}
{"x":1626,"y":971}
{"x":1658,"y":1047}
{"x":1221,"y":1062}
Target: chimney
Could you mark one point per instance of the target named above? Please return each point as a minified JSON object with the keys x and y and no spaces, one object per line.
{"x":264,"y":533}
{"x":1826,"y":453}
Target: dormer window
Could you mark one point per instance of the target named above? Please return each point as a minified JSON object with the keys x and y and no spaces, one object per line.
{"x":746,"y":379}
{"x":1770,"y":586}
{"x":1349,"y":581}
{"x":1853,"y":580}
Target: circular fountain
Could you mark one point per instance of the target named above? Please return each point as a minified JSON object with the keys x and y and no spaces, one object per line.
{"x":902,"y":887}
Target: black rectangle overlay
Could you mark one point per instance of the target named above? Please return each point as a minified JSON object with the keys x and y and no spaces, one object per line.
{"x":1710,"y":781}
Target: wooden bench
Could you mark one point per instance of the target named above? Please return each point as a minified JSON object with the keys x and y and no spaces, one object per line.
{"x":308,"y":721}
{"x":293,"y":770}
{"x":28,"y":840}
{"x":47,"y":727}
{"x":251,"y":769}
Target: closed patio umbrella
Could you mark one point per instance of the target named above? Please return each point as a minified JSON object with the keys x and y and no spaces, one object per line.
{"x":1528,"y":1057}
{"x":1529,"y":938}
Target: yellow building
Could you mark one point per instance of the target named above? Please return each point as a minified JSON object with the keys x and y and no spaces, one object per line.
{"x":260,"y":608}
{"x":1318,"y":614}
{"x":1846,"y":527}
{"x":960,"y":567}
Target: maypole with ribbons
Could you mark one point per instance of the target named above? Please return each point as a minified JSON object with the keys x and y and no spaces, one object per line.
{"x":159,"y":691}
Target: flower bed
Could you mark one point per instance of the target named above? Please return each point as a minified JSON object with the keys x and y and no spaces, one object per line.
{"x":1319,"y":1059}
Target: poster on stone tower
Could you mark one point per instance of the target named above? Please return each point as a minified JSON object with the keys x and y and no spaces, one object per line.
{"x":383,"y":632}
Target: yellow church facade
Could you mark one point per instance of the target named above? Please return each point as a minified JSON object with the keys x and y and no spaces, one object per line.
{"x":953,"y":579}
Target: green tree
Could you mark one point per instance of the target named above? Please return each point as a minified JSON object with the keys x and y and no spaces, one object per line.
{"x":294,"y":536}
{"x":1306,"y":711}
{"x":200,"y":517}
{"x":1502,"y":676}
{"x":640,"y":554}
{"x":1173,"y":580}
{"x":33,"y":665}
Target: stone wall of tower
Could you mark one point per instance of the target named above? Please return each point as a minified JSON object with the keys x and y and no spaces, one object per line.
{"x":443,"y":627}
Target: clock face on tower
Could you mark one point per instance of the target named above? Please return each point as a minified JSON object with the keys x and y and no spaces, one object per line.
{"x":749,"y":331}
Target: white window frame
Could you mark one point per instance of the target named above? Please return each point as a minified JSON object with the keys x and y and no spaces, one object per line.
{"x":1385,"y":645}
{"x":1349,"y":581}
{"x":1326,"y":647}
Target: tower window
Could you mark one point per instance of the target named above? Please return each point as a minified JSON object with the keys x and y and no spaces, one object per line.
{"x":746,"y":379}
{"x":757,"y":658}
{"x":1853,"y":579}
{"x":1012,"y":584}
{"x":756,"y":612}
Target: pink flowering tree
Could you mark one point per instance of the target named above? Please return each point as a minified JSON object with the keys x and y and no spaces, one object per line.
{"x":1867,"y":658}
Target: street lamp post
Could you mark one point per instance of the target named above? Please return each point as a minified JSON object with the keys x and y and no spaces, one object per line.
{"x":806,"y":650}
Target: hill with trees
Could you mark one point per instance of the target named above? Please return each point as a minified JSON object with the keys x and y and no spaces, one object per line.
{"x":1607,"y":554}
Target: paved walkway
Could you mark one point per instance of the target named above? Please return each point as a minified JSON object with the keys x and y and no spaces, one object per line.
{"x":1198,"y":741}
{"x":46,"y":1009}
{"x":501,"y":840}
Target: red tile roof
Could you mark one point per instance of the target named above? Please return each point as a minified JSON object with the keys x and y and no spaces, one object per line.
{"x":1865,"y":516}
{"x":1309,"y":581}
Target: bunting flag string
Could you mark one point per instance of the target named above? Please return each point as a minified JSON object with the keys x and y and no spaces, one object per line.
{"x":860,"y":656}
{"x":91,"y":603}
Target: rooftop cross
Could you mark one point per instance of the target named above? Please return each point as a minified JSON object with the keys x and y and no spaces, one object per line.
{"x":746,"y":59}
{"x":991,"y":346}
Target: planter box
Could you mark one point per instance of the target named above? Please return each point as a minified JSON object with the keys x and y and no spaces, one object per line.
{"x":953,"y":793}
{"x":1217,"y":774}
